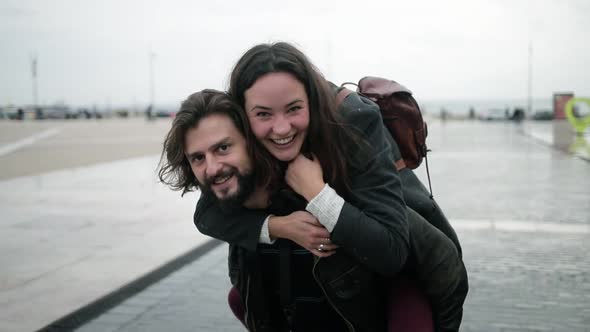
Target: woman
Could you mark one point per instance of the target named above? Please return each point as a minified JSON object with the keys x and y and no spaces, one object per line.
{"x":340,"y":165}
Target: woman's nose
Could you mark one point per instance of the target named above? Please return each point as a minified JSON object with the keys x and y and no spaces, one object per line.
{"x":281,"y":126}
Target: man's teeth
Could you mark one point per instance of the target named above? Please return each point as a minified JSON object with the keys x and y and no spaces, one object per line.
{"x":222,"y":179}
{"x":283,"y":141}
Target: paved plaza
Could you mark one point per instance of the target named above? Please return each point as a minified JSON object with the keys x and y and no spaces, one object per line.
{"x":81,"y":215}
{"x":520,"y":207}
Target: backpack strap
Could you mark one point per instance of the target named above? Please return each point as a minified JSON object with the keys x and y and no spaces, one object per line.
{"x":400,"y":164}
{"x":342,"y":94}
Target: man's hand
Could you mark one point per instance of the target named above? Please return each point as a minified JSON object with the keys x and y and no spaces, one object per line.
{"x":304,"y":229}
{"x":305,"y":176}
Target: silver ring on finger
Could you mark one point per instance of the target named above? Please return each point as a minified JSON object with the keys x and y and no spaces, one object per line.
{"x":321,"y":248}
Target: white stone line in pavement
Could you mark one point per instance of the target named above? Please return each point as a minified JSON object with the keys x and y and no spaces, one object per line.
{"x":11,"y":147}
{"x":521,"y":226}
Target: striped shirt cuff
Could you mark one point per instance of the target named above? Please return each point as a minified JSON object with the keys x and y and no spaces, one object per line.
{"x":326,"y":206}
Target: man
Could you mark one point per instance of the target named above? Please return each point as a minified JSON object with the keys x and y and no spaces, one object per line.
{"x":210,"y":148}
{"x":213,"y":139}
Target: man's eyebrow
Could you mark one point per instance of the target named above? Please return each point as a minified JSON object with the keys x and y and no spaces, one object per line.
{"x":225,"y":140}
{"x":192,"y":155}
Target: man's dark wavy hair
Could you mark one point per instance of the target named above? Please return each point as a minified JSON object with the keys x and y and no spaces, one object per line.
{"x":174,"y":168}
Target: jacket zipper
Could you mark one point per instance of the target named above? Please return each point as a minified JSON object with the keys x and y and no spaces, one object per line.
{"x":348,"y":324}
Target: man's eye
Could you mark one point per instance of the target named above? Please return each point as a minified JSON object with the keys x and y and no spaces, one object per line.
{"x":197,"y":158}
{"x":223,"y":147}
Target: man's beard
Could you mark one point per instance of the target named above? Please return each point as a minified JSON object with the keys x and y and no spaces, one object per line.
{"x":246,"y":185}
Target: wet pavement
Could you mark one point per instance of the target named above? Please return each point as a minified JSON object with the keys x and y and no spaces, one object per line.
{"x":70,"y":236}
{"x":559,"y":134}
{"x":521,"y":209}
{"x":37,"y":147}
{"x":492,"y":171}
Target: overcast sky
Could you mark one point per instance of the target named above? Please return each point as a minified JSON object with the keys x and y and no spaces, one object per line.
{"x":97,"y":52}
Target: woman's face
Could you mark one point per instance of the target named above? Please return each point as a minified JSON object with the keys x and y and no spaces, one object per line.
{"x":278,"y":111}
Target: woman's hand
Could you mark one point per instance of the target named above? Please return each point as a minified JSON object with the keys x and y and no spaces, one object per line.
{"x":305,"y":176}
{"x":304,"y":229}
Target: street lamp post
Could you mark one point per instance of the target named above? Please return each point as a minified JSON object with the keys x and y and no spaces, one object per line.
{"x":34,"y":81}
{"x":152,"y":91}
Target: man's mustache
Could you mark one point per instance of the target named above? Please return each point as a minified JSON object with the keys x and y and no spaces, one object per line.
{"x":221,"y":174}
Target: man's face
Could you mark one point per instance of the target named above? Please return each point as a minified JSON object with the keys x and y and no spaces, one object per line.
{"x":217,"y":153}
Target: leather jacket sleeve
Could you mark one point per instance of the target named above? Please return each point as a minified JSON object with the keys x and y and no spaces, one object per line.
{"x":372,"y":226}
{"x":238,"y":226}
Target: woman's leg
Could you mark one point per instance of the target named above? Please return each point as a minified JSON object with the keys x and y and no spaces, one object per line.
{"x":408,"y":309}
{"x":235,"y":304}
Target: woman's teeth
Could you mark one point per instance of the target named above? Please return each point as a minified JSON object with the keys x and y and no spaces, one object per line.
{"x":283,"y":141}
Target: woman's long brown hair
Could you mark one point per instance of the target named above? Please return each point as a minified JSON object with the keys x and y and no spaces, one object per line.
{"x":327,"y":136}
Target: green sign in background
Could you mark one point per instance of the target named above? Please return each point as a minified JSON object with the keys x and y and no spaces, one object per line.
{"x":579,"y":124}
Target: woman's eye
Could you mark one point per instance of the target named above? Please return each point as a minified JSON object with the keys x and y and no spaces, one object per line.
{"x":294,"y":109}
{"x":223,"y":147}
{"x":262,"y":114}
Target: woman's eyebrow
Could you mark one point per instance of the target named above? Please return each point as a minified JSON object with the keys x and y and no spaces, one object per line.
{"x":294,"y":102}
{"x":266,"y":108}
{"x":260,"y":107}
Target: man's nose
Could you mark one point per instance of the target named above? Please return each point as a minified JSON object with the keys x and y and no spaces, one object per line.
{"x":213,"y":167}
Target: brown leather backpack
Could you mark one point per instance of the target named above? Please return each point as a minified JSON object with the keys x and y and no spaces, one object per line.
{"x":401,"y":116}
